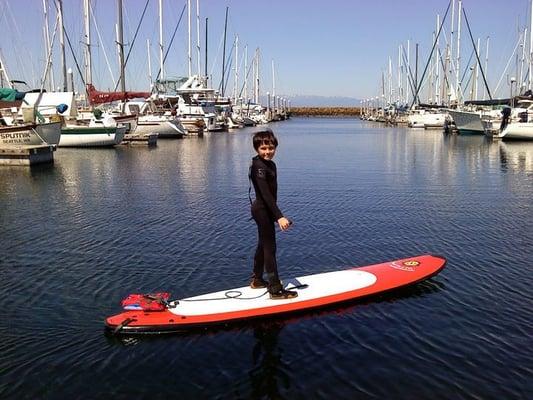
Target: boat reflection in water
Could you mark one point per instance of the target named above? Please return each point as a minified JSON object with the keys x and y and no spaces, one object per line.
{"x":516,"y":156}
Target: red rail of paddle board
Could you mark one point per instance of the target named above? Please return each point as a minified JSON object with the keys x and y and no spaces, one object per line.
{"x":390,"y":275}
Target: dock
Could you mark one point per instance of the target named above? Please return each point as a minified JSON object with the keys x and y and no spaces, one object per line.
{"x":27,"y":154}
{"x":147,"y":139}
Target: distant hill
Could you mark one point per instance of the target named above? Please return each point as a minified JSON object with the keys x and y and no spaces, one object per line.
{"x":320,"y":101}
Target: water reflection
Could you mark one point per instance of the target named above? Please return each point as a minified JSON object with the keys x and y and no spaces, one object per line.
{"x":268,"y":376}
{"x":516,"y":156}
{"x":84,"y":232}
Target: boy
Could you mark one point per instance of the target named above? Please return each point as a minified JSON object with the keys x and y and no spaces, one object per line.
{"x":265,"y":212}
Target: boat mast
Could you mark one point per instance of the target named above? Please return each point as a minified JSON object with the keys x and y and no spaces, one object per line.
{"x":236,"y":69}
{"x":120,"y":44}
{"x":224,"y":51}
{"x":206,"y":22}
{"x":62,"y":44}
{"x":400,"y":66}
{"x":450,"y":55}
{"x":521,"y":84}
{"x":149,"y":64}
{"x":431,"y":85}
{"x":416,"y":99}
{"x":437,"y":66}
{"x":48,"y":45}
{"x":189,"y":55}
{"x":486,"y":64}
{"x":407,"y":72}
{"x":389,"y":94}
{"x":3,"y":73}
{"x":273,"y":81}
{"x":530,"y":83}
{"x":476,"y":80}
{"x":162,"y":73}
{"x":256,"y":81}
{"x":86,"y":19}
{"x":458,"y":59}
{"x":246,"y":73}
{"x":198,"y":35}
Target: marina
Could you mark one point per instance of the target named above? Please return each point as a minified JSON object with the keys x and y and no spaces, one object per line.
{"x":384,"y":253}
{"x":80,"y":235}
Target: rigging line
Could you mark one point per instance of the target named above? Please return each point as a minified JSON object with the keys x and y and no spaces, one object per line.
{"x":215,"y":60}
{"x":73,"y":56}
{"x":431,"y":54}
{"x":507,"y":65}
{"x":21,"y":64}
{"x":477,"y":55}
{"x":133,"y":41}
{"x":76,"y":62}
{"x":466,"y":69}
{"x":445,"y":74}
{"x":102,"y":44}
{"x":410,"y":75}
{"x":467,"y":83}
{"x":229,"y":59}
{"x":43,"y":80}
{"x":229,"y":63}
{"x":228,"y":73}
{"x":171,"y":41}
{"x":49,"y":55}
{"x":245,"y":78}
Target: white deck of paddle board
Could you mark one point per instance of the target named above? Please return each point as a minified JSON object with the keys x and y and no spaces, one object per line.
{"x":319,"y":285}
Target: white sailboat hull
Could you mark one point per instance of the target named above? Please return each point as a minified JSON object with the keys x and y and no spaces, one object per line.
{"x":164,"y":129}
{"x":517,"y":131}
{"x":426,"y":120}
{"x":83,"y":136}
{"x":467,"y":121}
{"x":31,"y":134}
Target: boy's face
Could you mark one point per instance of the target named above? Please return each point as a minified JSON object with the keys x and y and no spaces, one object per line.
{"x":266,"y":151}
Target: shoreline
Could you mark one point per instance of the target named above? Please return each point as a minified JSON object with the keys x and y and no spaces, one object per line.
{"x":325,"y":111}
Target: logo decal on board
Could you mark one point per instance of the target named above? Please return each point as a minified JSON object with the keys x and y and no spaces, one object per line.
{"x":411,"y":263}
{"x":408,"y":265}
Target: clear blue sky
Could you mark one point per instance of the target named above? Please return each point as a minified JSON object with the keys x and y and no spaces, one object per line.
{"x":330,"y":48}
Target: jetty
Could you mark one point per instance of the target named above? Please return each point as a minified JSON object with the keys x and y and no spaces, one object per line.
{"x":27,"y":154}
{"x":325,"y":111}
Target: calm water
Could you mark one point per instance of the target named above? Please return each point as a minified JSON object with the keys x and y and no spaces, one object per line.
{"x":78,"y":236}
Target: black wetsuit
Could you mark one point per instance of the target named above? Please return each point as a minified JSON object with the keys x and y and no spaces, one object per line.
{"x":265,"y":212}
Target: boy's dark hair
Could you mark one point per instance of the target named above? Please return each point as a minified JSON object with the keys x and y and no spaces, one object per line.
{"x":264,"y":136}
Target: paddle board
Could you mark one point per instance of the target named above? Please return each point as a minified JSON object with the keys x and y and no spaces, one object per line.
{"x":242,"y":303}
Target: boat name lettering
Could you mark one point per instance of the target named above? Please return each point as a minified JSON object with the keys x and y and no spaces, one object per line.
{"x":14,"y":135}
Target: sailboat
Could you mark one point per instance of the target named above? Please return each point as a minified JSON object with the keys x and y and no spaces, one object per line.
{"x":17,"y":129}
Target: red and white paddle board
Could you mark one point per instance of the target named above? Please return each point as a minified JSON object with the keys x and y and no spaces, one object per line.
{"x":314,"y":291}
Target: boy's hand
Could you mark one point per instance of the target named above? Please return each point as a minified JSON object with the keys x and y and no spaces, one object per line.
{"x":284,"y":223}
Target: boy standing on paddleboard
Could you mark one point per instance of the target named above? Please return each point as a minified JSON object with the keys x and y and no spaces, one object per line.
{"x":265,"y":213}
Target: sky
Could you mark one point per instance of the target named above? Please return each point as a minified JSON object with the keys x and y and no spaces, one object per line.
{"x":322,"y":48}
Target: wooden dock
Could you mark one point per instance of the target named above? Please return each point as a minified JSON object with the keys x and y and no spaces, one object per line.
{"x":147,"y":139}
{"x":27,"y":154}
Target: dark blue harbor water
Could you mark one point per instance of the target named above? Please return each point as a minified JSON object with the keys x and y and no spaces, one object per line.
{"x":78,"y":236}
